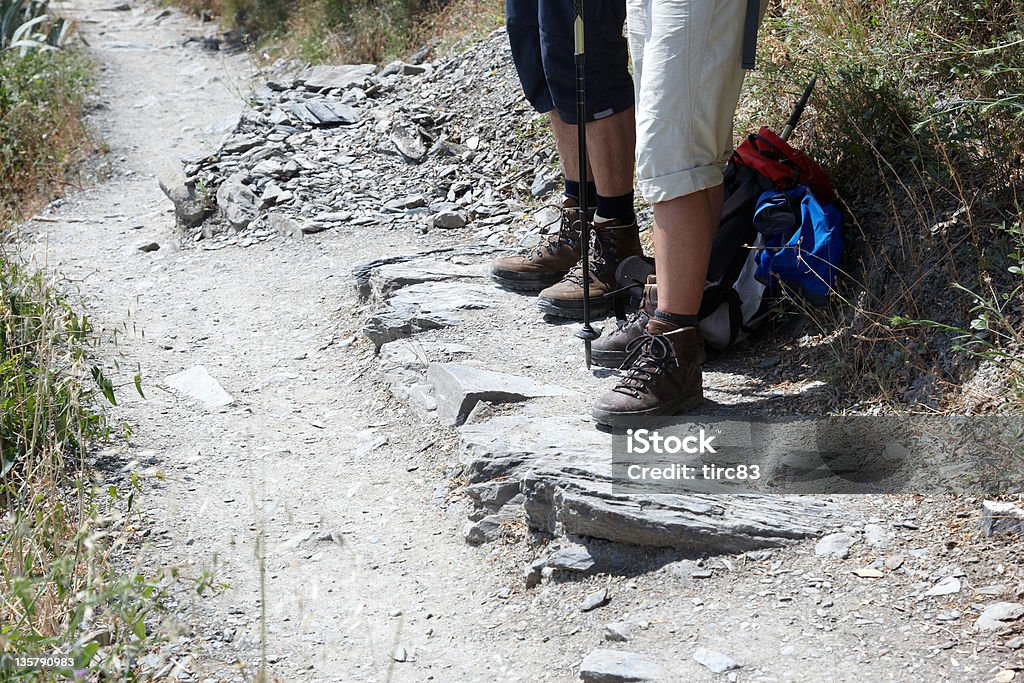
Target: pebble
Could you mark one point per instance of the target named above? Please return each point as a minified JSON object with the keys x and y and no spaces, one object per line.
{"x":619,"y":631}
{"x":595,"y":600}
{"x":834,"y":545}
{"x":715,"y":661}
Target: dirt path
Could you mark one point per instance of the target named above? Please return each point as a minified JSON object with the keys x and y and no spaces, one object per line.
{"x":318,"y":486}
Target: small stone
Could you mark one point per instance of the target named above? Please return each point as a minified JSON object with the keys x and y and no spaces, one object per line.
{"x":149,"y":247}
{"x":619,"y":631}
{"x":197,"y":383}
{"x":948,"y":586}
{"x":595,"y":600}
{"x":1015,"y":644}
{"x":449,"y":220}
{"x":715,"y":661}
{"x":893,"y":562}
{"x":284,"y":225}
{"x":834,"y":545}
{"x":868,"y":573}
{"x":573,"y":558}
{"x":997,"y":615}
{"x":615,"y":666}
{"x":534,"y":572}
{"x":1005,"y":676}
{"x":875,"y":535}
{"x":399,"y":653}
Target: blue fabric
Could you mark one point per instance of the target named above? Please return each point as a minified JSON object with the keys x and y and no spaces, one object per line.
{"x":808,"y":255}
{"x":540,"y":33}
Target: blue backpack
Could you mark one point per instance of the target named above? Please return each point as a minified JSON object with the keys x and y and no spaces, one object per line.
{"x":802,"y":243}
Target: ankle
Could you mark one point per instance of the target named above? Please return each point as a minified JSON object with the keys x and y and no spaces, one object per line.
{"x":679,"y":321}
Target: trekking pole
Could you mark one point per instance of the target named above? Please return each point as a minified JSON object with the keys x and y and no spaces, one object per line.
{"x":587,"y":333}
{"x":798,"y":110}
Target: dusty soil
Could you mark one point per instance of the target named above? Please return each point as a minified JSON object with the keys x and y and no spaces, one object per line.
{"x":323,"y":507}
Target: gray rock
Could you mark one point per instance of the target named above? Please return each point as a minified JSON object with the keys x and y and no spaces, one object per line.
{"x":573,"y":558}
{"x":399,"y":654}
{"x":543,"y":184}
{"x":324,"y":77}
{"x":284,"y":225}
{"x":620,"y":631}
{"x":449,"y":220}
{"x":714,"y":660}
{"x":534,"y":572}
{"x":948,"y":586}
{"x":565,"y":476}
{"x":190,"y":206}
{"x":407,"y":137}
{"x":875,"y":535}
{"x":998,"y":615}
{"x":615,"y":666}
{"x":834,"y":545}
{"x":421,"y":307}
{"x":236,"y":202}
{"x":197,"y":383}
{"x":1001,"y":518}
{"x":1015,"y":644}
{"x":241,"y":143}
{"x":594,"y":600}
{"x":324,"y":113}
{"x":458,"y":388}
{"x":489,"y":528}
{"x":149,"y":246}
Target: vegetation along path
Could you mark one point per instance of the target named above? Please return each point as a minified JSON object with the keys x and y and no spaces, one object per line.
{"x":312,"y":481}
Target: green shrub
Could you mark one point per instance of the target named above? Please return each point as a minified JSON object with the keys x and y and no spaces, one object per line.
{"x":918,"y":118}
{"x":41,"y":132}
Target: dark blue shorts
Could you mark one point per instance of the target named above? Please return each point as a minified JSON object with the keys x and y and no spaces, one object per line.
{"x":540,"y":33}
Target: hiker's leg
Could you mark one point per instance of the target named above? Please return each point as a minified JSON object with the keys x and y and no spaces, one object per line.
{"x":610,"y":151}
{"x":683,"y":231}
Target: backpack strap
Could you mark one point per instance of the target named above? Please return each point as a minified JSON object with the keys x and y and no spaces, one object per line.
{"x":750,"y":25}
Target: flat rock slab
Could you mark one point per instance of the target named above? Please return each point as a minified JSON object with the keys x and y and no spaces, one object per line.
{"x":326,"y":77}
{"x":458,"y":388}
{"x":563,"y":469}
{"x":197,"y":383}
{"x":426,"y":306}
{"x":615,"y":666}
{"x":382,"y":277}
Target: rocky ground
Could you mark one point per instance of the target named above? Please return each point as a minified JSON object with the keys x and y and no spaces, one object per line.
{"x":387,"y":464}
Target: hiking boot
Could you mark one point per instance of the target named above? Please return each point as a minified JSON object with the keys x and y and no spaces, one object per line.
{"x":609,"y":351}
{"x":612,"y":242}
{"x":546,"y":263}
{"x":663,"y":376}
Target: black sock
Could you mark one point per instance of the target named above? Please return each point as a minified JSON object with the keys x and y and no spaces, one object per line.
{"x":572,"y":191}
{"x":620,"y":207}
{"x":677,"y":320}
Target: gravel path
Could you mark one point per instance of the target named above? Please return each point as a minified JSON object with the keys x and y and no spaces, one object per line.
{"x":321,"y":502}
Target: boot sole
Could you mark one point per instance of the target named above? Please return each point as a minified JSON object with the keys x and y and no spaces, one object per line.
{"x":629,"y":419}
{"x":607,"y":359}
{"x":572,"y":309}
{"x":518,"y":283}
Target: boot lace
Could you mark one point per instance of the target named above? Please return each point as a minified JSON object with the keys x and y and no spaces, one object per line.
{"x":648,"y":357}
{"x":596,"y":260}
{"x":553,"y":243}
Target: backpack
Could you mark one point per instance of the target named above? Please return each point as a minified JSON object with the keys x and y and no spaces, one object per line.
{"x":762,"y":241}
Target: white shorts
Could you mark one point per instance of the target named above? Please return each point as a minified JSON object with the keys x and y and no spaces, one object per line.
{"x":687,"y":71}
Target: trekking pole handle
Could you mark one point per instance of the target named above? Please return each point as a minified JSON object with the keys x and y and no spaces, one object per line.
{"x":798,"y":110}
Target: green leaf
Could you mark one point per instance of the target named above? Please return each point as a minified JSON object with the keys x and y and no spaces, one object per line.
{"x":138,"y":383}
{"x":104,"y":384}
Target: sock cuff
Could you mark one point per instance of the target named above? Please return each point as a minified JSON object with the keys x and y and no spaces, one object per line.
{"x":676,"y":319}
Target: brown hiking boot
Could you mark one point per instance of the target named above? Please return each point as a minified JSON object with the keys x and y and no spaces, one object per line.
{"x":609,"y":351}
{"x":546,"y":263}
{"x":664,"y":376}
{"x":612,"y":242}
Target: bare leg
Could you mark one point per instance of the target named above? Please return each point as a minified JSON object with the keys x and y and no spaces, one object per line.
{"x":610,"y":144}
{"x":683,"y":231}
